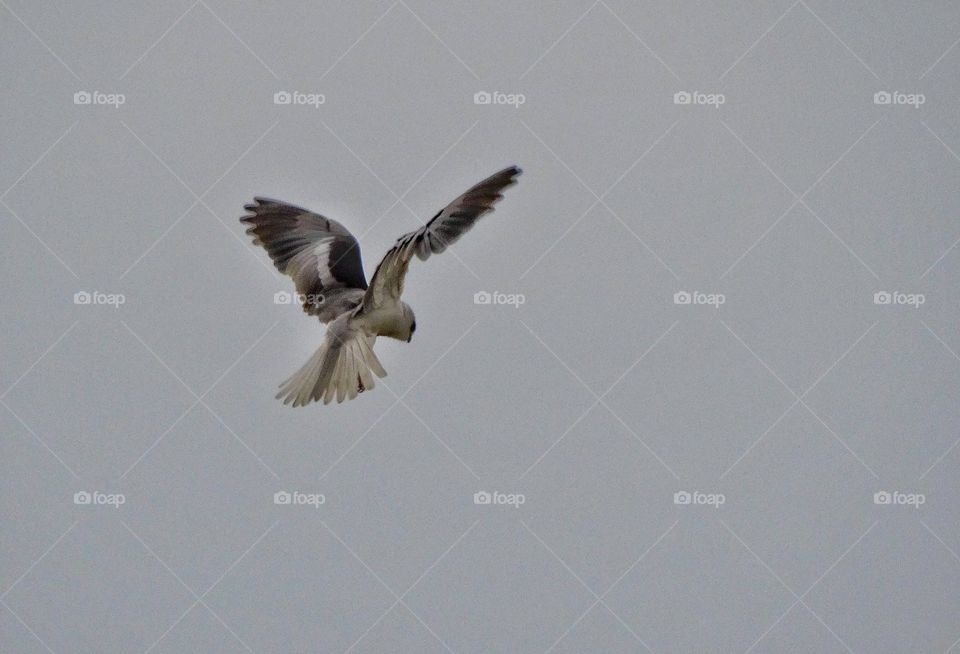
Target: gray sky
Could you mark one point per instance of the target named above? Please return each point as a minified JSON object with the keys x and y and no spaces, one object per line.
{"x":713,"y":398}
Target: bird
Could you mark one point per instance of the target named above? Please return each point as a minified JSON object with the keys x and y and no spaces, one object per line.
{"x":323,"y":259}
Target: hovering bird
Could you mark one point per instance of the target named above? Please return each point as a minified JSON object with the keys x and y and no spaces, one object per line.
{"x":323,"y":258}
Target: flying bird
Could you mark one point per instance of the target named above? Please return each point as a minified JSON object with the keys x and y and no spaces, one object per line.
{"x":323,"y":258}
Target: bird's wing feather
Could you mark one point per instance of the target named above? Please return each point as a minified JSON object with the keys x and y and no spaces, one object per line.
{"x":445,"y":228}
{"x":320,"y":255}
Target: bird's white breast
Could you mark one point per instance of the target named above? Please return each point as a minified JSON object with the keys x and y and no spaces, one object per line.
{"x":382,"y":321}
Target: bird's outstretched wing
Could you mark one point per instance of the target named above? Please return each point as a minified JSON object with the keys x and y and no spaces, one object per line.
{"x":320,"y":254}
{"x":450,"y":223}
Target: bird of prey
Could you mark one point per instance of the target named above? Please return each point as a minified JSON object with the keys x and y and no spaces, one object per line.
{"x":323,"y":258}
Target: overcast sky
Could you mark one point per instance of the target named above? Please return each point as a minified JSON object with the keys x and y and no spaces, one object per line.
{"x":712,"y":401}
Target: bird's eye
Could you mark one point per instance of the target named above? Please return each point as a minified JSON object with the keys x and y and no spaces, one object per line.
{"x":413,"y":327}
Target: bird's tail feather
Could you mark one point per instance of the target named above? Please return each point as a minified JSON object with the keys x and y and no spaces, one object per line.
{"x":339,"y":368}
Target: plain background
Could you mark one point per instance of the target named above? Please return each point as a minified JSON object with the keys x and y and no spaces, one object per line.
{"x":599,"y":398}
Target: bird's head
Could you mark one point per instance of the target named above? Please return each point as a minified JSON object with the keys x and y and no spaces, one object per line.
{"x":409,"y":321}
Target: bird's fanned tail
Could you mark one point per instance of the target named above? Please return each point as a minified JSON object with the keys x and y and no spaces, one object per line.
{"x":339,"y":368}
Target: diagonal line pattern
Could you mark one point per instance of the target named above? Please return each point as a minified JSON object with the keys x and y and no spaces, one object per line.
{"x":40,"y":440}
{"x":239,"y":40}
{"x":616,"y":17}
{"x":957,"y":157}
{"x":39,"y":359}
{"x":40,"y":41}
{"x":599,"y":599}
{"x":799,"y":199}
{"x":446,"y":446}
{"x":157,"y":42}
{"x":760,"y":38}
{"x":934,"y":65}
{"x":20,"y":420}
{"x":39,"y":240}
{"x":840,"y":41}
{"x":39,"y":159}
{"x":357,"y":42}
{"x":557,"y":42}
{"x":198,"y":399}
{"x":799,"y":599}
{"x":940,"y":540}
{"x":398,"y":599}
{"x":599,"y":399}
{"x":957,"y":357}
{"x":41,"y":558}
{"x":640,"y":41}
{"x":439,"y":40}
{"x":197,"y":199}
{"x":798,"y":399}
{"x":601,"y":199}
{"x":177,"y":22}
{"x":399,"y":399}
{"x":198,"y":599}
{"x":27,"y":627}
